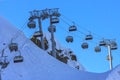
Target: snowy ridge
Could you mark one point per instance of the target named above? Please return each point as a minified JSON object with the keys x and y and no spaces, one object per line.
{"x":37,"y":64}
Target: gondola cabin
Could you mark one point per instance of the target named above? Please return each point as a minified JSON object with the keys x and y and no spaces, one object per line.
{"x":54,"y":20}
{"x":102,"y":43}
{"x":52,"y":28}
{"x":38,"y":34}
{"x":72,"y":28}
{"x":97,"y":49}
{"x":69,"y":39}
{"x":89,"y":37}
{"x":18,"y":59}
{"x":13,"y":47}
{"x":84,"y":45}
{"x":31,"y":24}
{"x":113,"y":45}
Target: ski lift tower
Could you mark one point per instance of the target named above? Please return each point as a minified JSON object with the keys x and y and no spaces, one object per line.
{"x":53,"y":14}
{"x":111,"y":45}
{"x":36,"y":14}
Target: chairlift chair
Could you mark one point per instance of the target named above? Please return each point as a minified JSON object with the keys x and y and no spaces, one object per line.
{"x":50,"y":28}
{"x":54,"y":20}
{"x":13,"y":47}
{"x":89,"y":37}
{"x":38,"y":34}
{"x":97,"y":49}
{"x":69,"y":39}
{"x":18,"y":59}
{"x":31,"y":24}
{"x":84,"y":45}
{"x":72,"y":28}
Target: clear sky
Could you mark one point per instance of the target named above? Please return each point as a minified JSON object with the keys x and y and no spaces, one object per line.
{"x":100,"y":17}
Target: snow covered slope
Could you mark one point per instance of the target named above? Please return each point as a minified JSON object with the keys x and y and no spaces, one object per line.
{"x":114,"y":74}
{"x":63,"y":52}
{"x":37,"y":64}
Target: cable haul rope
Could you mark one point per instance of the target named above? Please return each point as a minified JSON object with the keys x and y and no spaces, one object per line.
{"x":71,"y":21}
{"x":20,"y":30}
{"x":76,"y":30}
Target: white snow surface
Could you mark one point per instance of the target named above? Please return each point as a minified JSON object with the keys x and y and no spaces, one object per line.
{"x":37,"y":64}
{"x":65,"y":52}
{"x":114,"y":74}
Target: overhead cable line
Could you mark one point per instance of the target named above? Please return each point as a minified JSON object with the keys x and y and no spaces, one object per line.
{"x":98,"y":36}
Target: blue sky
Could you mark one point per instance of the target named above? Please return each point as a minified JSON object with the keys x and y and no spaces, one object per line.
{"x":100,"y":17}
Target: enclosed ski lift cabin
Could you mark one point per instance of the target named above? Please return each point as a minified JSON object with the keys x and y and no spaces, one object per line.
{"x":97,"y":49}
{"x":18,"y":59}
{"x":102,"y":43}
{"x":84,"y":45}
{"x":89,"y":37}
{"x":113,"y":45}
{"x":13,"y":47}
{"x":31,"y":23}
{"x":54,"y":20}
{"x":72,"y":28}
{"x":69,"y":39}
{"x":52,"y":28}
